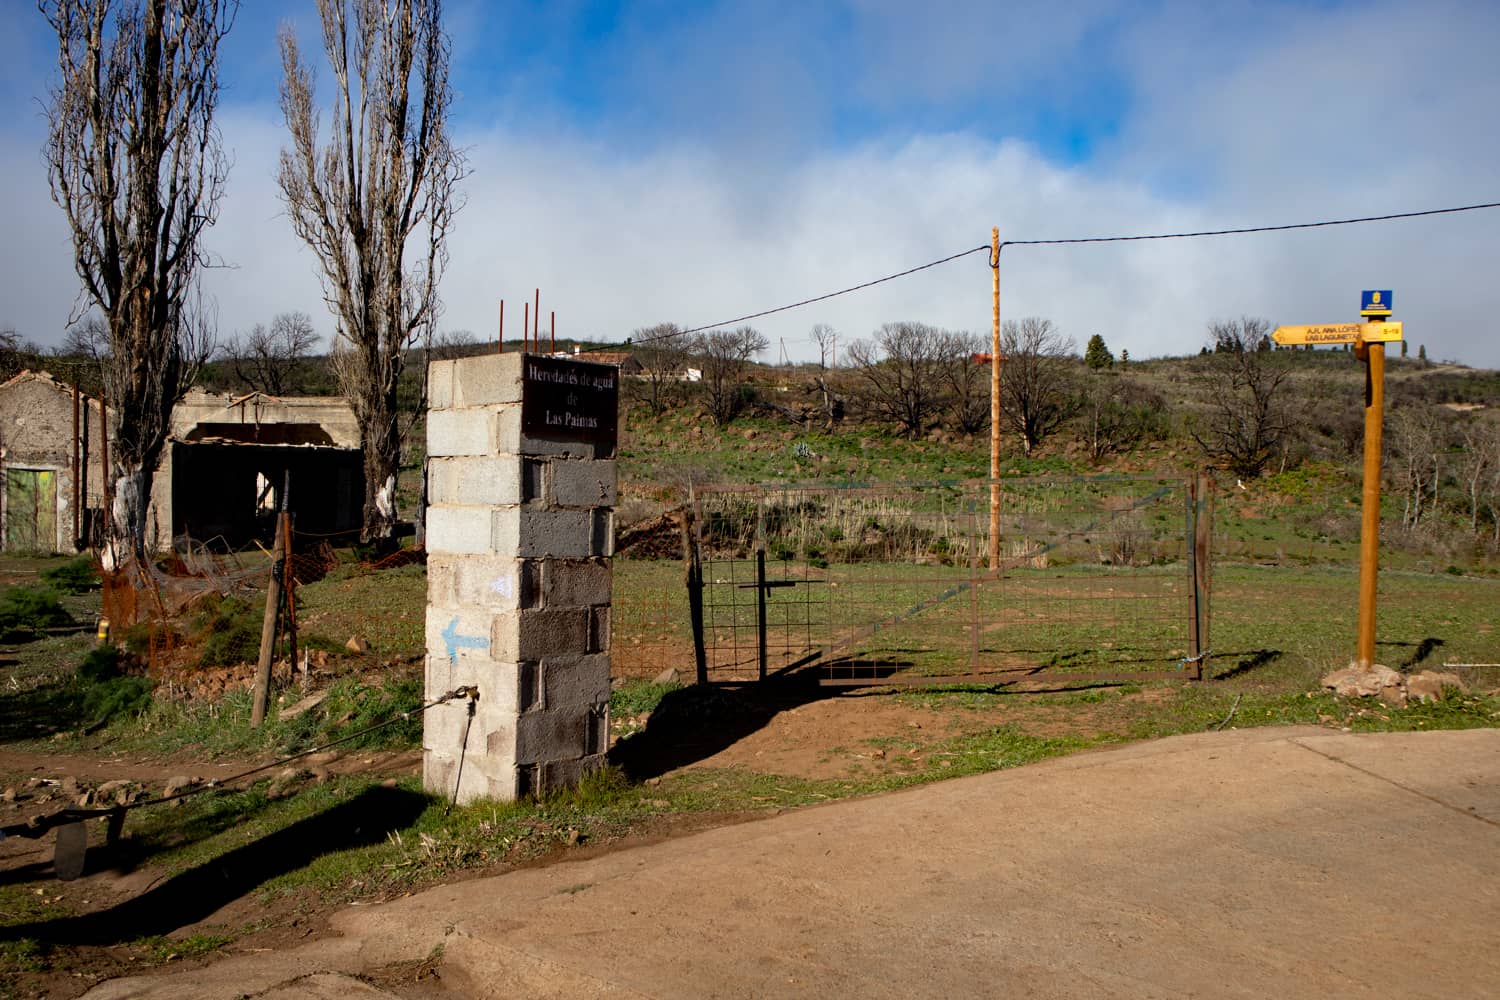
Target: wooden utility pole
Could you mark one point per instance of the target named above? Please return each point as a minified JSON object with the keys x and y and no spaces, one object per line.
{"x":995,"y":402}
{"x":502,"y":327}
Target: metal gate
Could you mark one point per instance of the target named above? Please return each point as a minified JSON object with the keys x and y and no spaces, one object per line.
{"x":1092,"y":578}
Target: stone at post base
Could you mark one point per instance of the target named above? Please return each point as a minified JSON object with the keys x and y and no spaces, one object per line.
{"x":1379,"y":681}
{"x":1429,"y":685}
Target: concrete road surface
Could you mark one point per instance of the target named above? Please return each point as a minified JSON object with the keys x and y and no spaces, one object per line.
{"x":1258,"y":863}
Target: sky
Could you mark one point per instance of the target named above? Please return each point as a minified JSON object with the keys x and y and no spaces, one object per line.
{"x":693,"y":162}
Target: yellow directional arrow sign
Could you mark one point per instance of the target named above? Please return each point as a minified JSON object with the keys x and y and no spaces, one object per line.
{"x":1338,"y":333}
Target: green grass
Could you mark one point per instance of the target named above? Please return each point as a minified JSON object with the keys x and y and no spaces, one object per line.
{"x":635,"y":697}
{"x":680,"y":446}
{"x":1305,"y":619}
{"x":387,"y":608}
{"x":222,"y":728}
{"x":159,"y":949}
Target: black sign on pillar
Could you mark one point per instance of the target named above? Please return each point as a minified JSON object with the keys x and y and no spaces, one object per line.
{"x":568,"y":399}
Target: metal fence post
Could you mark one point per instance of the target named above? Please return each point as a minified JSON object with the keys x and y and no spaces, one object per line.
{"x":760,"y":587}
{"x":694,"y":565}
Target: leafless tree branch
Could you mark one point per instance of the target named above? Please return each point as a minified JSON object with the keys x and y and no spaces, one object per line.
{"x":1036,"y":391}
{"x":135,"y":163}
{"x":724,"y":355}
{"x":375,"y":203}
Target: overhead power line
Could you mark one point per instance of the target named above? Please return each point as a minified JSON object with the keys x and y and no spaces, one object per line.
{"x":1083,"y":239}
{"x":841,"y":291}
{"x":1251,"y":229}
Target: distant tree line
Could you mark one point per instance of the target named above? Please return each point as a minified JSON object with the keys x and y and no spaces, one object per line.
{"x":1240,"y":405}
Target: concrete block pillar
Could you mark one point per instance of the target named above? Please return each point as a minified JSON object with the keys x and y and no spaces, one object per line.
{"x":520,"y":533}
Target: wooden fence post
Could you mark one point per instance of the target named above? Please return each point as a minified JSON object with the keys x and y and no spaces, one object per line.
{"x":268,"y":630}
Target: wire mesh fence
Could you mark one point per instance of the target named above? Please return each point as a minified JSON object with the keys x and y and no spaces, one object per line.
{"x":895,"y":583}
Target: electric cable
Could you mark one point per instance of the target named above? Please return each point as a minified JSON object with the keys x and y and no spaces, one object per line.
{"x":1245,"y":230}
{"x":1251,"y":229}
{"x":842,"y":291}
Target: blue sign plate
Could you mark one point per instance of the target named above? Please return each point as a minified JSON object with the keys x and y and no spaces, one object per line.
{"x":1375,"y":303}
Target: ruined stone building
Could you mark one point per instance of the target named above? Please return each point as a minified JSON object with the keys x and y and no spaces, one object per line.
{"x":221,"y":475}
{"x":52,"y":496}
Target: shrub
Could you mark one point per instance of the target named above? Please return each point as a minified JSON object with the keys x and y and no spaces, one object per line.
{"x":120,"y":696}
{"x":231,"y":631}
{"x":29,"y":610}
{"x":100,"y":664}
{"x":108,"y":692}
{"x":76,"y":576}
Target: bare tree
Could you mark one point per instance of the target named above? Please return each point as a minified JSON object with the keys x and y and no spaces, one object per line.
{"x":725,"y":354}
{"x":135,"y":163}
{"x":1036,"y":387}
{"x":1418,"y":439}
{"x":265,"y":359}
{"x":375,"y":204}
{"x":1478,"y":460}
{"x":1491,"y":488}
{"x":451,"y":344}
{"x":1248,"y":421}
{"x":967,"y":381}
{"x":14,"y":353}
{"x":661,"y":350}
{"x":1118,"y":413}
{"x":827,"y":339}
{"x":901,"y":371}
{"x":87,"y":339}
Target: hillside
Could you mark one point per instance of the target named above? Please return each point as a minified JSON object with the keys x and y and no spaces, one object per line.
{"x":1303,"y":506}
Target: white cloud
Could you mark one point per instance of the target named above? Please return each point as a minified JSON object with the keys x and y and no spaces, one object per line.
{"x":1282,"y":118}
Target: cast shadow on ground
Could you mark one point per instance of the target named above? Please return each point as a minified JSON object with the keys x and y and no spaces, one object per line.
{"x":128,"y":852}
{"x":41,"y":711}
{"x":695,"y":722}
{"x":1250,"y":659}
{"x":190,"y":896}
{"x":1419,"y":650}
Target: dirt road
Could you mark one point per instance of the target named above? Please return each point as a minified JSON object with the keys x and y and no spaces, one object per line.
{"x":1267,"y":862}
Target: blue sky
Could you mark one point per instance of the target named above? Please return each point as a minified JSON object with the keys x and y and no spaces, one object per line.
{"x":645,"y":162}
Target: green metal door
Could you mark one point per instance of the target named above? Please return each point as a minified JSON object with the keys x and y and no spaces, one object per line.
{"x":30,"y":510}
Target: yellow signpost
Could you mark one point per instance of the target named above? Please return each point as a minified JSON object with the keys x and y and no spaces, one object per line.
{"x":1338,"y":333}
{"x":1369,"y":340}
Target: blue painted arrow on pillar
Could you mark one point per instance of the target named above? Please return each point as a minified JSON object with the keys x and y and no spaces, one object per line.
{"x":455,"y":642}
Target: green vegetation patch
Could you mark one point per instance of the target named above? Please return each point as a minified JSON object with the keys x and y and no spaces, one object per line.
{"x":76,"y":576}
{"x":28,"y":611}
